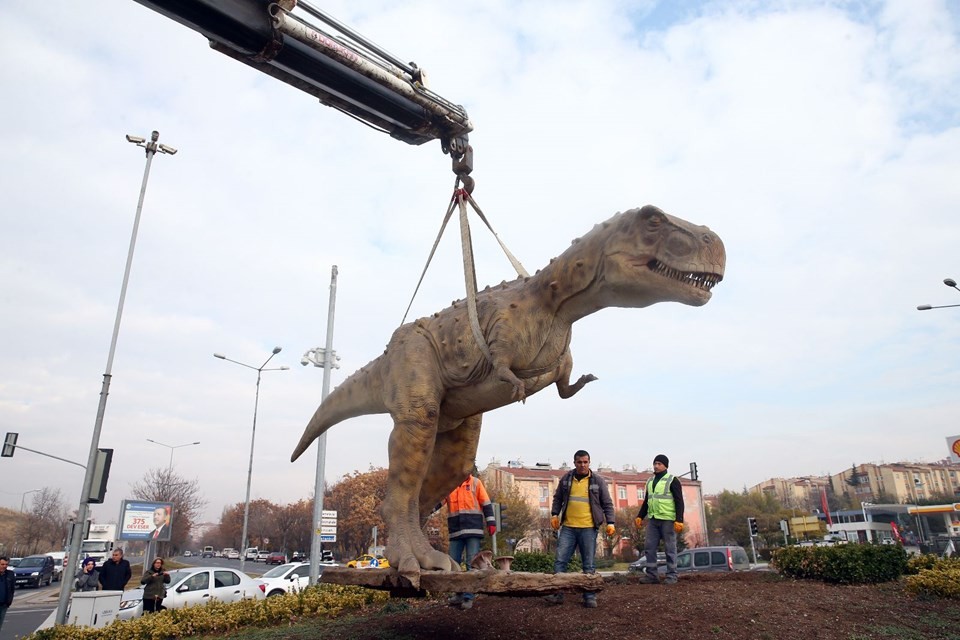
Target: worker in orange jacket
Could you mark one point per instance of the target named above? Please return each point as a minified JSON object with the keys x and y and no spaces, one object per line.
{"x":469,"y":513}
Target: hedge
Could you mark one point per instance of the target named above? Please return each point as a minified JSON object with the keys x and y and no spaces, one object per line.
{"x":842,"y":564}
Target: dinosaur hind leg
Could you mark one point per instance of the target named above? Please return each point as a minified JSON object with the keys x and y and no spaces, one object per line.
{"x":411,"y":447}
{"x":453,"y":458}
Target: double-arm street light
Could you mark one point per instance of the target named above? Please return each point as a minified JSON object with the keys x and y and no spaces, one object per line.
{"x":950,"y":282}
{"x":172,"y":447}
{"x":23,"y":499}
{"x":253,"y":437}
{"x":76,"y":537}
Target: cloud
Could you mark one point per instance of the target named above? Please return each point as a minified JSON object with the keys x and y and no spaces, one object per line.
{"x":818,"y":139}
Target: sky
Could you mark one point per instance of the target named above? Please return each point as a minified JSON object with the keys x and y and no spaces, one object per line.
{"x":820,"y":140}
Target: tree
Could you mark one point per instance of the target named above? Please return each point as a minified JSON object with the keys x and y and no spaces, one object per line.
{"x":165,"y":485}
{"x":522,"y":519}
{"x":357,"y":498}
{"x":45,"y":523}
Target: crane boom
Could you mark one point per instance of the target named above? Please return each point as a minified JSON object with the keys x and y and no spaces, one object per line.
{"x":335,"y":64}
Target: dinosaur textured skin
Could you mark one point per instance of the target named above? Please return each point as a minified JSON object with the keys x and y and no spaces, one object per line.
{"x":436,"y":383}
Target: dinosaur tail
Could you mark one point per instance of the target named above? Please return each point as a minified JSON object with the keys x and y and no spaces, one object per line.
{"x":359,"y":395}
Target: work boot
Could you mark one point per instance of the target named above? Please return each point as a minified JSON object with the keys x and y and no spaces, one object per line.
{"x":670,"y":580}
{"x":466,"y":604}
{"x":554,"y":598}
{"x":649,"y":579}
{"x":455,"y":600}
{"x":590,"y":601}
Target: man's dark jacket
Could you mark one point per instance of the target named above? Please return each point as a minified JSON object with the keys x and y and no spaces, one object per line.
{"x":9,"y":578}
{"x":601,"y":506}
{"x":114,"y":576}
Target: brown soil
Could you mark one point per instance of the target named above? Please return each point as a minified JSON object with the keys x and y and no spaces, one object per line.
{"x":728,"y":606}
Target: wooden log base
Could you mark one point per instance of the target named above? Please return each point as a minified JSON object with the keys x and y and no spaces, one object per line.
{"x":488,"y":581}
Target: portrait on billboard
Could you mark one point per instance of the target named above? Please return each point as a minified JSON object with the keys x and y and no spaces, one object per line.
{"x":146,"y":520}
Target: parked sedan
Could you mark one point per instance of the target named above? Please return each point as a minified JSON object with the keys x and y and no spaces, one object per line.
{"x":276,"y":557}
{"x":195,"y":586}
{"x":287,"y":578}
{"x":233,"y":554}
{"x":262,"y":556}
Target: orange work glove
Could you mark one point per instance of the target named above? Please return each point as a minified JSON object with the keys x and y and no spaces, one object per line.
{"x":638,"y":522}
{"x":491,"y":529}
{"x":678,"y":526}
{"x":555,"y":522}
{"x":611,"y":530}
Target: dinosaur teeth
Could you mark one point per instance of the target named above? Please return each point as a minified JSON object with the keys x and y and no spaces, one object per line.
{"x":705,"y":281}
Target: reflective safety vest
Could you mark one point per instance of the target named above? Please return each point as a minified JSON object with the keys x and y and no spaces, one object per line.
{"x":470,"y":511}
{"x":660,"y":504}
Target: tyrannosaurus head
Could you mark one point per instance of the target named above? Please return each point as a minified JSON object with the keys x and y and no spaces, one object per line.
{"x":638,"y":258}
{"x":651,"y":256}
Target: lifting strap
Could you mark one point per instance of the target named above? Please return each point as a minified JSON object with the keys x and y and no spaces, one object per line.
{"x":461,"y":197}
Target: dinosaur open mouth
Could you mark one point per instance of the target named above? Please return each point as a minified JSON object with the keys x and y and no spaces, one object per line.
{"x":705,"y":281}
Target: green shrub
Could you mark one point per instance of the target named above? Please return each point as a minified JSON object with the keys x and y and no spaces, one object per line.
{"x":539,"y":562}
{"x":218,"y":618}
{"x":842,"y":564}
{"x":940,"y":582}
{"x":917,"y":563}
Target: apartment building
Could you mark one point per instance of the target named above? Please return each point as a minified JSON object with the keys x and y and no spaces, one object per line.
{"x":899,"y":482}
{"x":794,"y":493}
{"x":538,"y":483}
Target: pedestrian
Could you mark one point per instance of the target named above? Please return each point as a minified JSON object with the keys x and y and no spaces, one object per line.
{"x":663,"y":508}
{"x":115,"y":573}
{"x":8,"y":582}
{"x":469,"y":514}
{"x":88,"y":578}
{"x":581,"y":504}
{"x":153,"y":591}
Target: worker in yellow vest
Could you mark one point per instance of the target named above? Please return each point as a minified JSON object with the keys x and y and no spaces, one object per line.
{"x":663,"y":508}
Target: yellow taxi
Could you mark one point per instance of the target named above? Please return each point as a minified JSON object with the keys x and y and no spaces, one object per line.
{"x":366,"y":561}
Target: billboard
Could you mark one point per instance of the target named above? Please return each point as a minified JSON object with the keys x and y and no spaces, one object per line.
{"x":141,"y":520}
{"x":953,"y":443}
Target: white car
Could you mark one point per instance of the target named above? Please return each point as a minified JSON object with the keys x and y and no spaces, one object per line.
{"x":59,"y":562}
{"x":233,"y":554}
{"x":195,"y":586}
{"x":286,"y":578}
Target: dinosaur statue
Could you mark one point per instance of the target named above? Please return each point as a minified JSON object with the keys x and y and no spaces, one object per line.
{"x":435,"y":382}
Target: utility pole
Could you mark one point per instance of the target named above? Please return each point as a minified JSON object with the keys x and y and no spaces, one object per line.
{"x":325,"y":358}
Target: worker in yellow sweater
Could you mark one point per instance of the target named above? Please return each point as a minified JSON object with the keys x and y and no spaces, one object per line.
{"x":581,"y":504}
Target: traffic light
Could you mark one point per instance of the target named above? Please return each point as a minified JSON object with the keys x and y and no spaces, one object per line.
{"x":752,"y":524}
{"x":10,"y":444}
{"x":693,"y":471}
{"x":499,"y":515}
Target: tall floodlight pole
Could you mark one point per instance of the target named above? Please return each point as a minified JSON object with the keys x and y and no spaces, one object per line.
{"x":76,"y":537}
{"x":253,"y":438}
{"x":327,"y":359}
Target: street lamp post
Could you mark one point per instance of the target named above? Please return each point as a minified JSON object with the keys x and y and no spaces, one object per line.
{"x":253,"y":437}
{"x":23,"y":499}
{"x":326,"y":358}
{"x":172,"y":447}
{"x":76,"y":537}
{"x":950,"y":282}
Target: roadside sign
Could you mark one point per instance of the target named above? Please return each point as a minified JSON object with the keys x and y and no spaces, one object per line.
{"x":328,"y":522}
{"x":328,"y":513}
{"x":328,"y":537}
{"x":332,"y":529}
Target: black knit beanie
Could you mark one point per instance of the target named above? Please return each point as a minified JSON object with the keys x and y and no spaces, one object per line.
{"x":662,"y":458}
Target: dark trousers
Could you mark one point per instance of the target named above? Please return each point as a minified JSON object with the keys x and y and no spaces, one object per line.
{"x":3,"y":614}
{"x":152,"y":605}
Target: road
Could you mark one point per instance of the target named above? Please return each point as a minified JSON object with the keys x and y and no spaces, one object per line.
{"x":31,"y":607}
